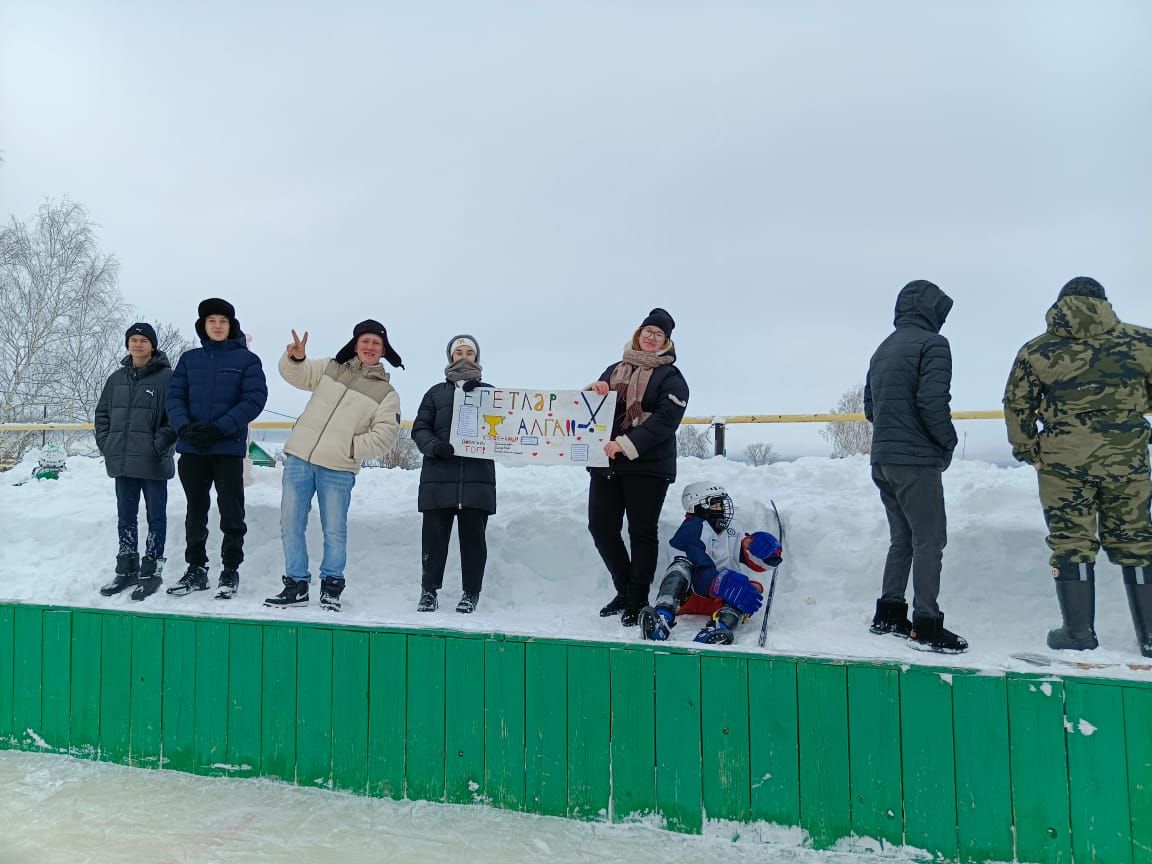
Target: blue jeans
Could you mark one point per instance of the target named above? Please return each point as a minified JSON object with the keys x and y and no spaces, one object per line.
{"x":128,"y":492}
{"x":333,"y":491}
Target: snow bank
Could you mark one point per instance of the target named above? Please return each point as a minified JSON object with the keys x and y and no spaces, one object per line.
{"x":544,"y":576}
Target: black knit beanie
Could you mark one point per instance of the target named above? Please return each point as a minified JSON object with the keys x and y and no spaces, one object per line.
{"x":659,"y":318}
{"x":1082,"y":286}
{"x":142,"y":329}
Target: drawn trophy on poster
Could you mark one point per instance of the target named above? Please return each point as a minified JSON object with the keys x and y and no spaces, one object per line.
{"x":530,"y":426}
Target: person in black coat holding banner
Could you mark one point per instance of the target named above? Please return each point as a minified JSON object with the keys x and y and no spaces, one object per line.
{"x":452,"y":487}
{"x":651,"y":397}
{"x":136,"y":440}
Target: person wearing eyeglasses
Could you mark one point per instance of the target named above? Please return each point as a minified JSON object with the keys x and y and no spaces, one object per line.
{"x":651,"y":397}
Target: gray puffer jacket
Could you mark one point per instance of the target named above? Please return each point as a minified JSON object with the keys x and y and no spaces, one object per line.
{"x":908,"y":391}
{"x":132,"y":428}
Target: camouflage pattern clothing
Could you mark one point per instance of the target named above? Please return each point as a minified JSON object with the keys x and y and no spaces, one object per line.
{"x":1088,"y":380}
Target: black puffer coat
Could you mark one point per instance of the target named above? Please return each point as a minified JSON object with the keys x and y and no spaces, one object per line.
{"x":907,"y":395}
{"x":455,"y":482}
{"x":132,"y":428}
{"x":654,"y":440}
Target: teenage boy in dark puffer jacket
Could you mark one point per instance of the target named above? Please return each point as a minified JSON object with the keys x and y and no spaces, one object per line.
{"x":136,"y":441}
{"x":215,"y":392}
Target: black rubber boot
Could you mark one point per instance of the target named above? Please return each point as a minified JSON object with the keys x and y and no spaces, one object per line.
{"x":891,"y":619}
{"x":127,"y":572}
{"x":1076,"y":591}
{"x":1140,"y":604}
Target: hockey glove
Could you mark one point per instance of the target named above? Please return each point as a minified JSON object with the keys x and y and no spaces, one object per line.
{"x":735,"y":589}
{"x":766,"y":547}
{"x":442,"y":450}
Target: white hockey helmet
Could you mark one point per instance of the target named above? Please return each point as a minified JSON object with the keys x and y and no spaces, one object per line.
{"x":709,"y":501}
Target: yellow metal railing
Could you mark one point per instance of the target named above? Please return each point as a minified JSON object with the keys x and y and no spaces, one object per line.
{"x":691,"y":421}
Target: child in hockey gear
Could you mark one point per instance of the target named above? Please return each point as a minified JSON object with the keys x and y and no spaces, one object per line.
{"x":704,"y":576}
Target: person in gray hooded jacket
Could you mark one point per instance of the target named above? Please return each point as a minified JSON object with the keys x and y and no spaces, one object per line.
{"x":451,"y":486}
{"x":133,"y":434}
{"x":906,"y":398}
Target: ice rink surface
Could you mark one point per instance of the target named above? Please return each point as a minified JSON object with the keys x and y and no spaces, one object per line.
{"x":59,"y":809}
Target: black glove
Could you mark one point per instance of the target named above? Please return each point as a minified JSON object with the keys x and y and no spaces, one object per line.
{"x":442,"y":450}
{"x":470,"y":385}
{"x":200,"y":435}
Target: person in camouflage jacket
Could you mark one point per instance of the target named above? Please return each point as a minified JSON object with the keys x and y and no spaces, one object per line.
{"x":1088,"y":381}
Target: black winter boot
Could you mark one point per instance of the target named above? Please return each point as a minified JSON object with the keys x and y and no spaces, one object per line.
{"x":151,"y":577}
{"x":228,"y":585}
{"x":635,"y":599}
{"x":467,"y":604}
{"x":891,"y":619}
{"x":127,"y":572}
{"x":428,"y":602}
{"x":1076,"y":592}
{"x":195,"y":578}
{"x":1140,"y":604}
{"x":613,"y":607}
{"x":929,"y":634}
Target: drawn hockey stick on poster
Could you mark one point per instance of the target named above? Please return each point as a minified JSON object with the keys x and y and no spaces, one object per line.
{"x":528,"y":426}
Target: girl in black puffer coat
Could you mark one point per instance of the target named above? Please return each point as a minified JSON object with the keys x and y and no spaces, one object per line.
{"x":452,"y":486}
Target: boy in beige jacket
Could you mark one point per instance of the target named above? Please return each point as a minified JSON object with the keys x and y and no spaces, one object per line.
{"x":353,"y":415}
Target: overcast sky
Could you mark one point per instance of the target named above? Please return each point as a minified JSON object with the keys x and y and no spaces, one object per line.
{"x":541,"y":174}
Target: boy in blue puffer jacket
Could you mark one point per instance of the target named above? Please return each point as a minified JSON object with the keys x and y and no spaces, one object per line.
{"x":215,"y":392}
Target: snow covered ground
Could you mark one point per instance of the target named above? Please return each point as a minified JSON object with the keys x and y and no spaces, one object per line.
{"x":58,"y":809}
{"x":544,"y":576}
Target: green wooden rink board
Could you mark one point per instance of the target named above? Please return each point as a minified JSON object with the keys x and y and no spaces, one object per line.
{"x":966,"y":766}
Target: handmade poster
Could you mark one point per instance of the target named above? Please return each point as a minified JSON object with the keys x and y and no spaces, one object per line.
{"x":529,"y":426}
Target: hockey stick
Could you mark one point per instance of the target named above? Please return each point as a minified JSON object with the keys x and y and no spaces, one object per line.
{"x":772,"y":581}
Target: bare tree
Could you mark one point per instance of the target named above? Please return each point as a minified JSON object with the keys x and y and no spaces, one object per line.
{"x":61,"y":318}
{"x":760,"y":454}
{"x":693,"y":442}
{"x":849,"y":437}
{"x":404,"y":455}
{"x":171,"y":341}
